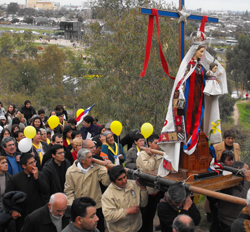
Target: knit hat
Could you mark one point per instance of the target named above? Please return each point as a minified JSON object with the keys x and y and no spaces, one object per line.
{"x":2,"y":118}
{"x":107,"y":126}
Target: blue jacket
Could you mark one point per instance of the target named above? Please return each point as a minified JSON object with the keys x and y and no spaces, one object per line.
{"x":110,"y":154}
{"x":93,"y":130}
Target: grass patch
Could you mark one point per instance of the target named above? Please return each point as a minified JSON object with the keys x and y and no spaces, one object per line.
{"x":26,"y":29}
{"x":244,"y":112}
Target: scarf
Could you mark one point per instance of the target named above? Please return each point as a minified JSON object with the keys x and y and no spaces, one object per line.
{"x":115,"y":153}
{"x":39,"y":150}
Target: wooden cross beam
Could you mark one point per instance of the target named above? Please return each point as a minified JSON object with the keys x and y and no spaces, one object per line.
{"x":174,"y":14}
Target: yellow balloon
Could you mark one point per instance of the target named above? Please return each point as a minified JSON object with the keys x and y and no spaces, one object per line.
{"x":53,"y":122}
{"x":147,"y":130}
{"x":29,"y":132}
{"x":116,"y":127}
{"x":78,"y":112}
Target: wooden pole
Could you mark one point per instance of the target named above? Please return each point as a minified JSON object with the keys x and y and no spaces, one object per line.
{"x":165,"y":182}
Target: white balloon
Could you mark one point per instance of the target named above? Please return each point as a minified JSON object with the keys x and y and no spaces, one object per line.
{"x":25,"y":145}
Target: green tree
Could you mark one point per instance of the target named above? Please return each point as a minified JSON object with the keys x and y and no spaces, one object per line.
{"x":122,"y":94}
{"x":6,"y":47}
{"x":12,"y":8}
{"x":51,"y":64}
{"x":238,"y":59}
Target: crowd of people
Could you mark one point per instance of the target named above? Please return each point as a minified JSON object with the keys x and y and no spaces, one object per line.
{"x":57,"y":185}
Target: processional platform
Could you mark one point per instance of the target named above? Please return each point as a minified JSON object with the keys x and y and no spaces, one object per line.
{"x":193,"y":169}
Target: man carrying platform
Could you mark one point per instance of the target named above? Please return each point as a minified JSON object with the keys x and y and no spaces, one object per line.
{"x":121,"y":202}
{"x":147,"y":162}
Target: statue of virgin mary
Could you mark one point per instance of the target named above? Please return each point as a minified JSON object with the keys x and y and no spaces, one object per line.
{"x":189,"y":108}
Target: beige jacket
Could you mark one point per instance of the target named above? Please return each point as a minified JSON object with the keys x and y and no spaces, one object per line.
{"x":220,"y":147}
{"x":78,"y":184}
{"x":115,"y":201}
{"x":145,"y":163}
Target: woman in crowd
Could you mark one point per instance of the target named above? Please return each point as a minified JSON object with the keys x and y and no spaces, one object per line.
{"x":67,"y":140}
{"x":14,"y":128}
{"x":15,"y":121}
{"x":11,"y":113}
{"x":77,"y":145}
{"x":110,"y":148}
{"x":37,"y":122}
{"x":28,"y":110}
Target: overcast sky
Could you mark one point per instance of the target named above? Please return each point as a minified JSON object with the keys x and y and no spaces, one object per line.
{"x":238,"y":5}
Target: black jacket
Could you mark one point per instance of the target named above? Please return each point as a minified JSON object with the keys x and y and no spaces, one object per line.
{"x":13,"y":200}
{"x":39,"y":221}
{"x":28,"y":112}
{"x":167,"y":215}
{"x":52,"y":177}
{"x":36,"y":190}
{"x":48,"y":155}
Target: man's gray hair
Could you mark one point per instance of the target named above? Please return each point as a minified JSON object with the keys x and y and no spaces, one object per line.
{"x":181,"y":225}
{"x":105,"y":133}
{"x":6,"y":140}
{"x":43,"y":130}
{"x":177,"y":193}
{"x":84,"y":143}
{"x":82,"y":154}
{"x":52,"y":198}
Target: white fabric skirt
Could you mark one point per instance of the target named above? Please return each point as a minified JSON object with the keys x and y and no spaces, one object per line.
{"x":212,"y":88}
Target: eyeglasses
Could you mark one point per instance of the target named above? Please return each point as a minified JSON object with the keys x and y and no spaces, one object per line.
{"x":31,"y":163}
{"x":91,"y":147}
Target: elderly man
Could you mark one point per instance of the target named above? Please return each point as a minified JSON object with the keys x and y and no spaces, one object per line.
{"x":9,"y":147}
{"x":90,"y":145}
{"x":174,"y":203}
{"x":121,"y":202}
{"x":183,"y":223}
{"x":82,"y":179}
{"x":49,"y":218}
{"x":228,"y":144}
{"x":83,"y":215}
{"x":242,"y":223}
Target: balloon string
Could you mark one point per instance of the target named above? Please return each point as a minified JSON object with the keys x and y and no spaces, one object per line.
{"x":118,"y":145}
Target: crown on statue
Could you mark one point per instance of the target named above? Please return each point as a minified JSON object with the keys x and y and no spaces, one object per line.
{"x":198,"y":37}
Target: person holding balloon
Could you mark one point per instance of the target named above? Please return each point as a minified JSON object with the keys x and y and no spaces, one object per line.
{"x":39,"y":148}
